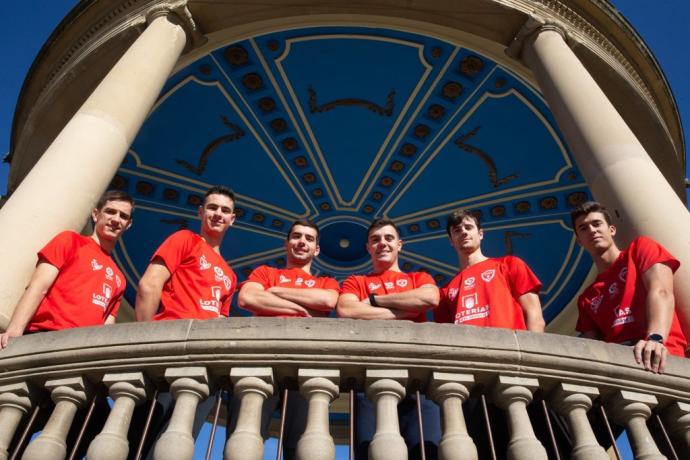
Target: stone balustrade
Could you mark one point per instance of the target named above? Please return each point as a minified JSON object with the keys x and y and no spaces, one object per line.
{"x":456,"y":366}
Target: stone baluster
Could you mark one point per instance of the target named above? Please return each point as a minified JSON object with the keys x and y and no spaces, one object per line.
{"x":677,"y":418}
{"x":252,"y":386}
{"x":512,"y":394}
{"x":319,"y":387}
{"x":385,"y":388}
{"x":189,"y":386}
{"x":450,"y":391}
{"x":632,"y":410}
{"x":69,"y":395}
{"x":573,"y":402}
{"x":127,"y":390}
{"x":15,"y":401}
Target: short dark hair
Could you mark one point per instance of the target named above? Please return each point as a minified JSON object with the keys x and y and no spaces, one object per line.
{"x":114,"y":195}
{"x":220,"y":190}
{"x":382,"y":222}
{"x":587,"y":208}
{"x":303,"y":223}
{"x":457,"y":216}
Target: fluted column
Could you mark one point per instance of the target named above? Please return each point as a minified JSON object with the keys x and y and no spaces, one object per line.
{"x":385,"y":388}
{"x":252,"y":386}
{"x":632,"y":410}
{"x":68,"y":395}
{"x":80,"y":163}
{"x":319,"y":387}
{"x":127,"y":391}
{"x":189,"y":386}
{"x":450,"y":391}
{"x":512,"y":394}
{"x":15,"y":401}
{"x":677,"y":418}
{"x":573,"y":402}
{"x":608,"y":154}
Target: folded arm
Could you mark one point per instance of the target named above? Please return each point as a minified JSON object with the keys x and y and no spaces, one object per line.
{"x":349,"y":306}
{"x":253,"y":297}
{"x":312,"y":299}
{"x":416,"y":300}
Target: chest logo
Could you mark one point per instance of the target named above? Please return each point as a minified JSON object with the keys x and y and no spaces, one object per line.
{"x":596,"y":302}
{"x":488,"y":275}
{"x":118,"y":281}
{"x":623,"y":274}
{"x":373,"y":286}
{"x":102,"y":299}
{"x":469,"y":301}
{"x":388,"y":284}
{"x":95,"y":266}
{"x":613,"y":290}
{"x":299,"y":281}
{"x":469,"y":282}
{"x":310,"y":283}
{"x":203,"y":263}
{"x":284,"y":279}
{"x":401,"y":283}
{"x":452,"y":293}
{"x":109,"y":273}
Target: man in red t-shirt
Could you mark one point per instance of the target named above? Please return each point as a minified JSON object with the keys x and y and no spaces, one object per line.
{"x":292,"y":291}
{"x":76,"y":283}
{"x":489,"y":292}
{"x":388,"y":293}
{"x":187,"y":277}
{"x":288,"y":292}
{"x":631,"y":300}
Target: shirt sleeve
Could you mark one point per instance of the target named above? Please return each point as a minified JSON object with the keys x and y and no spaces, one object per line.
{"x":174,"y":249}
{"x":522,"y":279}
{"x":60,"y":249}
{"x":647,"y":252}
{"x":585,"y":323}
{"x":225,"y":308}
{"x":422,"y":279}
{"x":353,"y":285}
{"x":443,"y":313}
{"x":262,"y":276}
{"x":331,"y":283}
{"x":115,"y":305}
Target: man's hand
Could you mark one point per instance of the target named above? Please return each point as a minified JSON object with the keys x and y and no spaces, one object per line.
{"x":651,"y":354}
{"x":5,"y":338}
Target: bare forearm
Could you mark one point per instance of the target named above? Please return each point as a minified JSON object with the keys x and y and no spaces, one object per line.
{"x":660,"y":306}
{"x":361,"y":310}
{"x":266,"y":303}
{"x":314,"y":299}
{"x":416,"y":300}
{"x":531,"y":310}
{"x":147,"y":303}
{"x":25,"y":309}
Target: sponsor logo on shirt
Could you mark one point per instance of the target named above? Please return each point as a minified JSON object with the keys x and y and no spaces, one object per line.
{"x":284,"y":279}
{"x":203,"y":263}
{"x":471,"y":309}
{"x":388,"y":284}
{"x":469,"y":282}
{"x":108,"y":273}
{"x":469,"y":301}
{"x":299,"y":281}
{"x":95,"y":266}
{"x":488,"y":275}
{"x":623,"y":274}
{"x":103,"y":298}
{"x":596,"y":301}
{"x":623,"y":315}
{"x":613,"y":290}
{"x":213,"y":304}
{"x":118,"y":281}
{"x":310,"y":283}
{"x":373,"y":286}
{"x":402,"y":283}
{"x":452,"y":293}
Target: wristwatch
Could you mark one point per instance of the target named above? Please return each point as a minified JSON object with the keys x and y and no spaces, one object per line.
{"x":656,"y":338}
{"x":372,"y":301}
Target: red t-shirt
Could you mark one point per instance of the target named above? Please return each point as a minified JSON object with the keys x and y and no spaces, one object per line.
{"x":486,"y":294}
{"x":201,"y":282}
{"x":291,"y":278}
{"x":388,"y":282}
{"x":615,"y":304}
{"x":88,"y":287}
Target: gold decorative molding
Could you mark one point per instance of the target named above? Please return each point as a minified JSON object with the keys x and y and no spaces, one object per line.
{"x":386,"y":110}
{"x":493,"y":171}
{"x":236,"y":133}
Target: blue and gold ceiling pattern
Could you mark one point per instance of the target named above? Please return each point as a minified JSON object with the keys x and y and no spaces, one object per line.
{"x":341,"y":125}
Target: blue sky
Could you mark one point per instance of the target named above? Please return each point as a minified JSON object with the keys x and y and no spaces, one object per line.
{"x":662,"y":23}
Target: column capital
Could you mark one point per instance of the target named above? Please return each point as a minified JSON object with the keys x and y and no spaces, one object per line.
{"x":627,"y":405}
{"x":509,"y":389}
{"x":677,"y":417}
{"x":177,"y":12}
{"x":447,"y":385}
{"x":567,"y":396}
{"x":530,"y":29}
{"x":132,"y":384}
{"x":74,"y":389}
{"x":18,"y":395}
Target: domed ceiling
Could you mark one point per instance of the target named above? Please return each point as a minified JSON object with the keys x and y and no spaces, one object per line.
{"x":341,"y":125}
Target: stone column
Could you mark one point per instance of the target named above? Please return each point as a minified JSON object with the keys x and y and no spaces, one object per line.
{"x":573,"y":402}
{"x":632,"y":410}
{"x":189,"y":386}
{"x":319,"y":387}
{"x":450,"y":391}
{"x":15,"y":402}
{"x":80,"y":163}
{"x":385,"y":388}
{"x":677,"y":418}
{"x":512,"y":394}
{"x":609,"y":155}
{"x":68,"y":395}
{"x":252,"y":386}
{"x":127,"y":391}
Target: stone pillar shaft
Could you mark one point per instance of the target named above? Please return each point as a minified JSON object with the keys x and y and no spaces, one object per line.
{"x":632,"y":410}
{"x":15,"y":401}
{"x":450,"y":391}
{"x":385,"y":388}
{"x":80,"y":163}
{"x":609,"y":155}
{"x":319,"y":387}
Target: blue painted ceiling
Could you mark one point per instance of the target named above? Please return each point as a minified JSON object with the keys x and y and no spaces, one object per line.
{"x":341,"y":125}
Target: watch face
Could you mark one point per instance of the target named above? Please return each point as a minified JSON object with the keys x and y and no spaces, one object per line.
{"x":656,"y":338}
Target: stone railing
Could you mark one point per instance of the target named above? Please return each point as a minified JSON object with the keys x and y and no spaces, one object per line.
{"x":253,"y":357}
